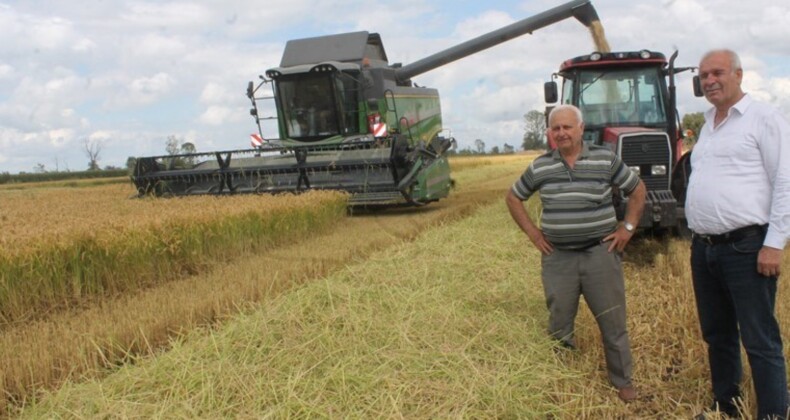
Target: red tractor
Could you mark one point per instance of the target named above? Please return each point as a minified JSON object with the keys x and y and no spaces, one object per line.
{"x":628,"y":103}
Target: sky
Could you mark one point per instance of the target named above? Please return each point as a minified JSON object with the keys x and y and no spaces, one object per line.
{"x":128,"y":74}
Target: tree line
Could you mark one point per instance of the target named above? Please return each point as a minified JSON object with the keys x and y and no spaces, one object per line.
{"x":92,"y":149}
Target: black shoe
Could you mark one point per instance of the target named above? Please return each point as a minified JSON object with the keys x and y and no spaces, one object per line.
{"x":727,"y":411}
{"x":565,"y":345}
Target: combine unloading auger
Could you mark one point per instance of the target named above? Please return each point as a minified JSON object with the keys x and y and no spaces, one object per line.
{"x":347,"y":120}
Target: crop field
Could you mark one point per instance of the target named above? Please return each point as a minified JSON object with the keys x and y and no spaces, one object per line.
{"x":290,"y":306}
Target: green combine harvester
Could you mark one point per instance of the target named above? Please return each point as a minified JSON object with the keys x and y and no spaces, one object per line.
{"x":347,"y":120}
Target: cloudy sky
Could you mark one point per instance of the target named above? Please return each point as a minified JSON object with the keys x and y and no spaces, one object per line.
{"x":128,"y":73}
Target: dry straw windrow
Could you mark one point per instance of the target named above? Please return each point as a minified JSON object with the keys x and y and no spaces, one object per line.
{"x":63,"y":246}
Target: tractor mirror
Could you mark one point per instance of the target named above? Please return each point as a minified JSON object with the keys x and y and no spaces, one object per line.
{"x":250,"y":90}
{"x":550,"y":92}
{"x":698,"y":87}
{"x":253,"y":112}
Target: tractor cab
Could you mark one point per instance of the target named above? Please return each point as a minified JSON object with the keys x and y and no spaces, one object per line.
{"x":615,"y":90}
{"x":618,"y":98}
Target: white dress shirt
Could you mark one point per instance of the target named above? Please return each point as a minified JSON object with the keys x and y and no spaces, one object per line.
{"x":740,"y":173}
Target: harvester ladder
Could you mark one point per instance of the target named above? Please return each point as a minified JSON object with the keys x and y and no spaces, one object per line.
{"x":254,"y":99}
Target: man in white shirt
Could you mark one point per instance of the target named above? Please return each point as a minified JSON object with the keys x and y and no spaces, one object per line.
{"x":738,"y":206}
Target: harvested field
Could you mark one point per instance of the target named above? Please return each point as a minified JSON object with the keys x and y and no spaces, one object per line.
{"x":80,"y":339}
{"x":434,"y":312}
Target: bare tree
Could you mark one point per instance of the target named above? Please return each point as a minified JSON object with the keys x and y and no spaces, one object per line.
{"x":173,"y":145}
{"x":480,"y":145}
{"x":92,"y":150}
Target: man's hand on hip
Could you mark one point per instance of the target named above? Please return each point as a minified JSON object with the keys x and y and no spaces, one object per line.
{"x":769,"y":261}
{"x":619,"y":238}
{"x":540,"y":242}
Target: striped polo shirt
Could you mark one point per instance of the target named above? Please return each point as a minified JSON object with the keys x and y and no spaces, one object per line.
{"x":577,"y":203}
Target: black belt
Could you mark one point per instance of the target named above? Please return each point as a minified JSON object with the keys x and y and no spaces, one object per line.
{"x":732,"y":236}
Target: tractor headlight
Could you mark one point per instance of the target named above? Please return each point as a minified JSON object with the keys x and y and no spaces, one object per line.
{"x":644,"y":54}
{"x":635,"y":169}
{"x":658,"y":170}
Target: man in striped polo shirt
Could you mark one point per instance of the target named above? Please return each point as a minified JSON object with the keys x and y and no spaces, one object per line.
{"x":579,"y":236}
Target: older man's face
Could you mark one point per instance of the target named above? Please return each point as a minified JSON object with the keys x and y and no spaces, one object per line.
{"x":566,"y":130}
{"x":720,"y":82}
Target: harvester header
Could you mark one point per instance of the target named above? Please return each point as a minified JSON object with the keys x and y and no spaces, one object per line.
{"x":347,"y":120}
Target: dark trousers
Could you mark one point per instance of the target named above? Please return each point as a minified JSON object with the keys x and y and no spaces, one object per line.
{"x":736,"y":303}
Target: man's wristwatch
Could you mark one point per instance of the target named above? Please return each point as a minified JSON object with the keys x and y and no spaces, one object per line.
{"x":629,"y":227}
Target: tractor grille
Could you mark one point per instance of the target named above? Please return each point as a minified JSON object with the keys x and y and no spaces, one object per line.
{"x":644,"y":150}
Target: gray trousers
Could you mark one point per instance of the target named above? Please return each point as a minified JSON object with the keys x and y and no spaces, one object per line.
{"x":597,"y":275}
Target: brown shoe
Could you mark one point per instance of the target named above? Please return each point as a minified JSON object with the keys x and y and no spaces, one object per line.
{"x":627,"y":393}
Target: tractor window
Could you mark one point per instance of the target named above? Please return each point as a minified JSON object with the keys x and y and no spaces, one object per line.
{"x":308,"y":104}
{"x":567,"y":92}
{"x":624,"y":97}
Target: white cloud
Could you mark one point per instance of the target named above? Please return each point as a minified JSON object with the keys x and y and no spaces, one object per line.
{"x":157,"y":46}
{"x":83,"y":45}
{"x":6,"y":71}
{"x":145,"y":90}
{"x":137,"y":71}
{"x":102,"y":135}
{"x":217,"y":115}
{"x":214,"y":93}
{"x":60,"y":137}
{"x":159,"y":15}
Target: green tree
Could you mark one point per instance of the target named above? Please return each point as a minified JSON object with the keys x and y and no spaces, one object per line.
{"x":534,"y":130}
{"x":188,"y":147}
{"x":177,"y":146}
{"x":692,"y":124}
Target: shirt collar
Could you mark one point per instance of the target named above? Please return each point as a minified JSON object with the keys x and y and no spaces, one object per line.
{"x":741,"y":106}
{"x":583,"y":155}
